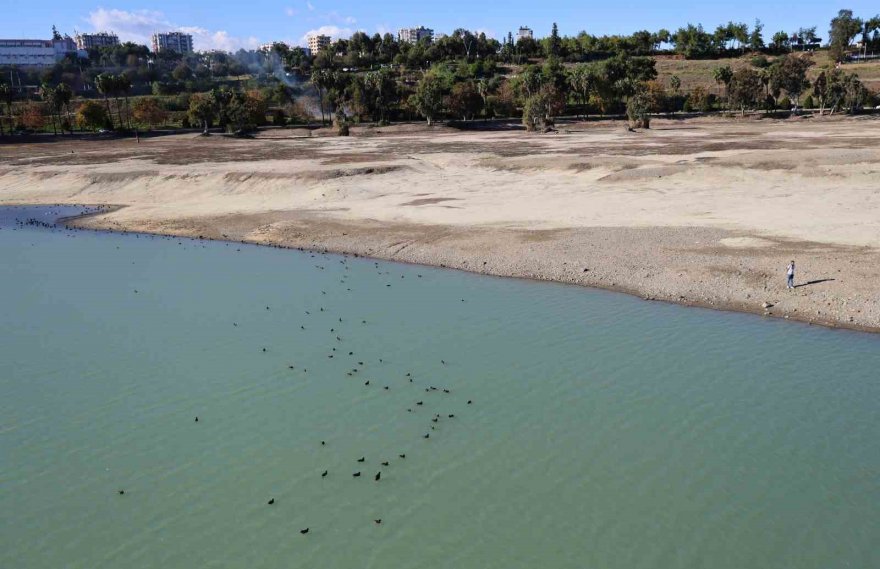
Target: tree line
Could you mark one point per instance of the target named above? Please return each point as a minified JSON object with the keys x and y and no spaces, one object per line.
{"x":464,"y":75}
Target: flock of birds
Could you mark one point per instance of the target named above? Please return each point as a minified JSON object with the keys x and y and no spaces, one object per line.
{"x":338,"y":348}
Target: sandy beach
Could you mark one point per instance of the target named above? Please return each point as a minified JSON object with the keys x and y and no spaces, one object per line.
{"x":699,"y":212}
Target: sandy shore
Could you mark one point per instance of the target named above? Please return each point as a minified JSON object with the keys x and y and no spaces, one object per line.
{"x":700,"y":212}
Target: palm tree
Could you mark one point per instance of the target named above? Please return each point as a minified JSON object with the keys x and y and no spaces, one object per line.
{"x":64,"y":94}
{"x":483,"y":91}
{"x":123,"y":87}
{"x":5,"y":91}
{"x":722,"y":76}
{"x":324,"y":80}
{"x":105,"y":84}
{"x":6,"y":96}
{"x":48,"y":95}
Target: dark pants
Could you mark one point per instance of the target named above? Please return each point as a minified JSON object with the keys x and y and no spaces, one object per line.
{"x":790,"y":281}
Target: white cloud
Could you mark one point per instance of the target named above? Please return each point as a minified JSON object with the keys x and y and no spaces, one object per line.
{"x":310,"y":6}
{"x":291,"y":11}
{"x":334,"y":32}
{"x":139,"y":25}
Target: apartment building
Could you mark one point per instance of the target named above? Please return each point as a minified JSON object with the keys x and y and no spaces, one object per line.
{"x":415,"y":35}
{"x":172,"y":41}
{"x":100,"y":39}
{"x":318,"y":42}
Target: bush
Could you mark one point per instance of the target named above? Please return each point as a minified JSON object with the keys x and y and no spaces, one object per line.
{"x":638,"y":110}
{"x":278,"y":117}
{"x":760,"y":62}
{"x":92,"y":115}
{"x":698,"y":100}
{"x":808,"y":102}
{"x":340,"y":121}
{"x":784,"y":103}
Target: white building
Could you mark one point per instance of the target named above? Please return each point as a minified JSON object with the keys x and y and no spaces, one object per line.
{"x":525,"y":32}
{"x":319,"y":42}
{"x":415,"y":35}
{"x":100,"y":39}
{"x":172,"y":41}
{"x":36,"y":53}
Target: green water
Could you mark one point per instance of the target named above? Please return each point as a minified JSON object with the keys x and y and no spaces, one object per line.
{"x":605,"y":432}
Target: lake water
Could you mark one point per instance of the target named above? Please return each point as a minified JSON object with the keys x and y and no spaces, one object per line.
{"x":604,"y":431}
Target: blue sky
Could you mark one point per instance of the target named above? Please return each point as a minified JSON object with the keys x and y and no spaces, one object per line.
{"x":248,"y":23}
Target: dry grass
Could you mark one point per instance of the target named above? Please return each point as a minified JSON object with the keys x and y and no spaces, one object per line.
{"x":699,"y":72}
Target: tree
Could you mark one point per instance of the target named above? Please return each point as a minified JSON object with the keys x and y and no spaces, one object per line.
{"x":428,"y":98}
{"x":201,"y":110}
{"x":756,"y":38}
{"x":7,"y":96}
{"x":583,"y":80}
{"x":64,"y":95}
{"x":31,"y":116}
{"x":790,"y":74}
{"x":855,"y":93}
{"x":147,"y":110}
{"x":722,"y":76}
{"x":50,"y":97}
{"x":870,"y":25}
{"x":821,"y":91}
{"x":675,"y":83}
{"x":105,"y":84}
{"x":182,"y":72}
{"x":322,"y":79}
{"x":92,"y":115}
{"x":638,"y":110}
{"x":844,"y":28}
{"x":745,"y":89}
{"x":554,"y":44}
{"x":693,"y":42}
{"x":465,"y":100}
{"x":780,"y":42}
{"x":221,"y":98}
{"x":123,"y":87}
{"x":539,"y":109}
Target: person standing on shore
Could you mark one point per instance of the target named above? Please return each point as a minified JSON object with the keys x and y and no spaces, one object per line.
{"x":790,"y":274}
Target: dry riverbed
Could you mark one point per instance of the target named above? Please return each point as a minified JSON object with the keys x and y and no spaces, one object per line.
{"x":701,"y":212}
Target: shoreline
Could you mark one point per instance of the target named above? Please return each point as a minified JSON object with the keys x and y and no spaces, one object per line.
{"x":92,"y":221}
{"x":698,"y":213}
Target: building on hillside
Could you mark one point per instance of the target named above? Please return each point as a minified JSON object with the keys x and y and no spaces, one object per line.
{"x":318,"y":42}
{"x":100,"y":39}
{"x":37,"y":53}
{"x":172,"y":41}
{"x":415,"y":35}
{"x":525,"y":32}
